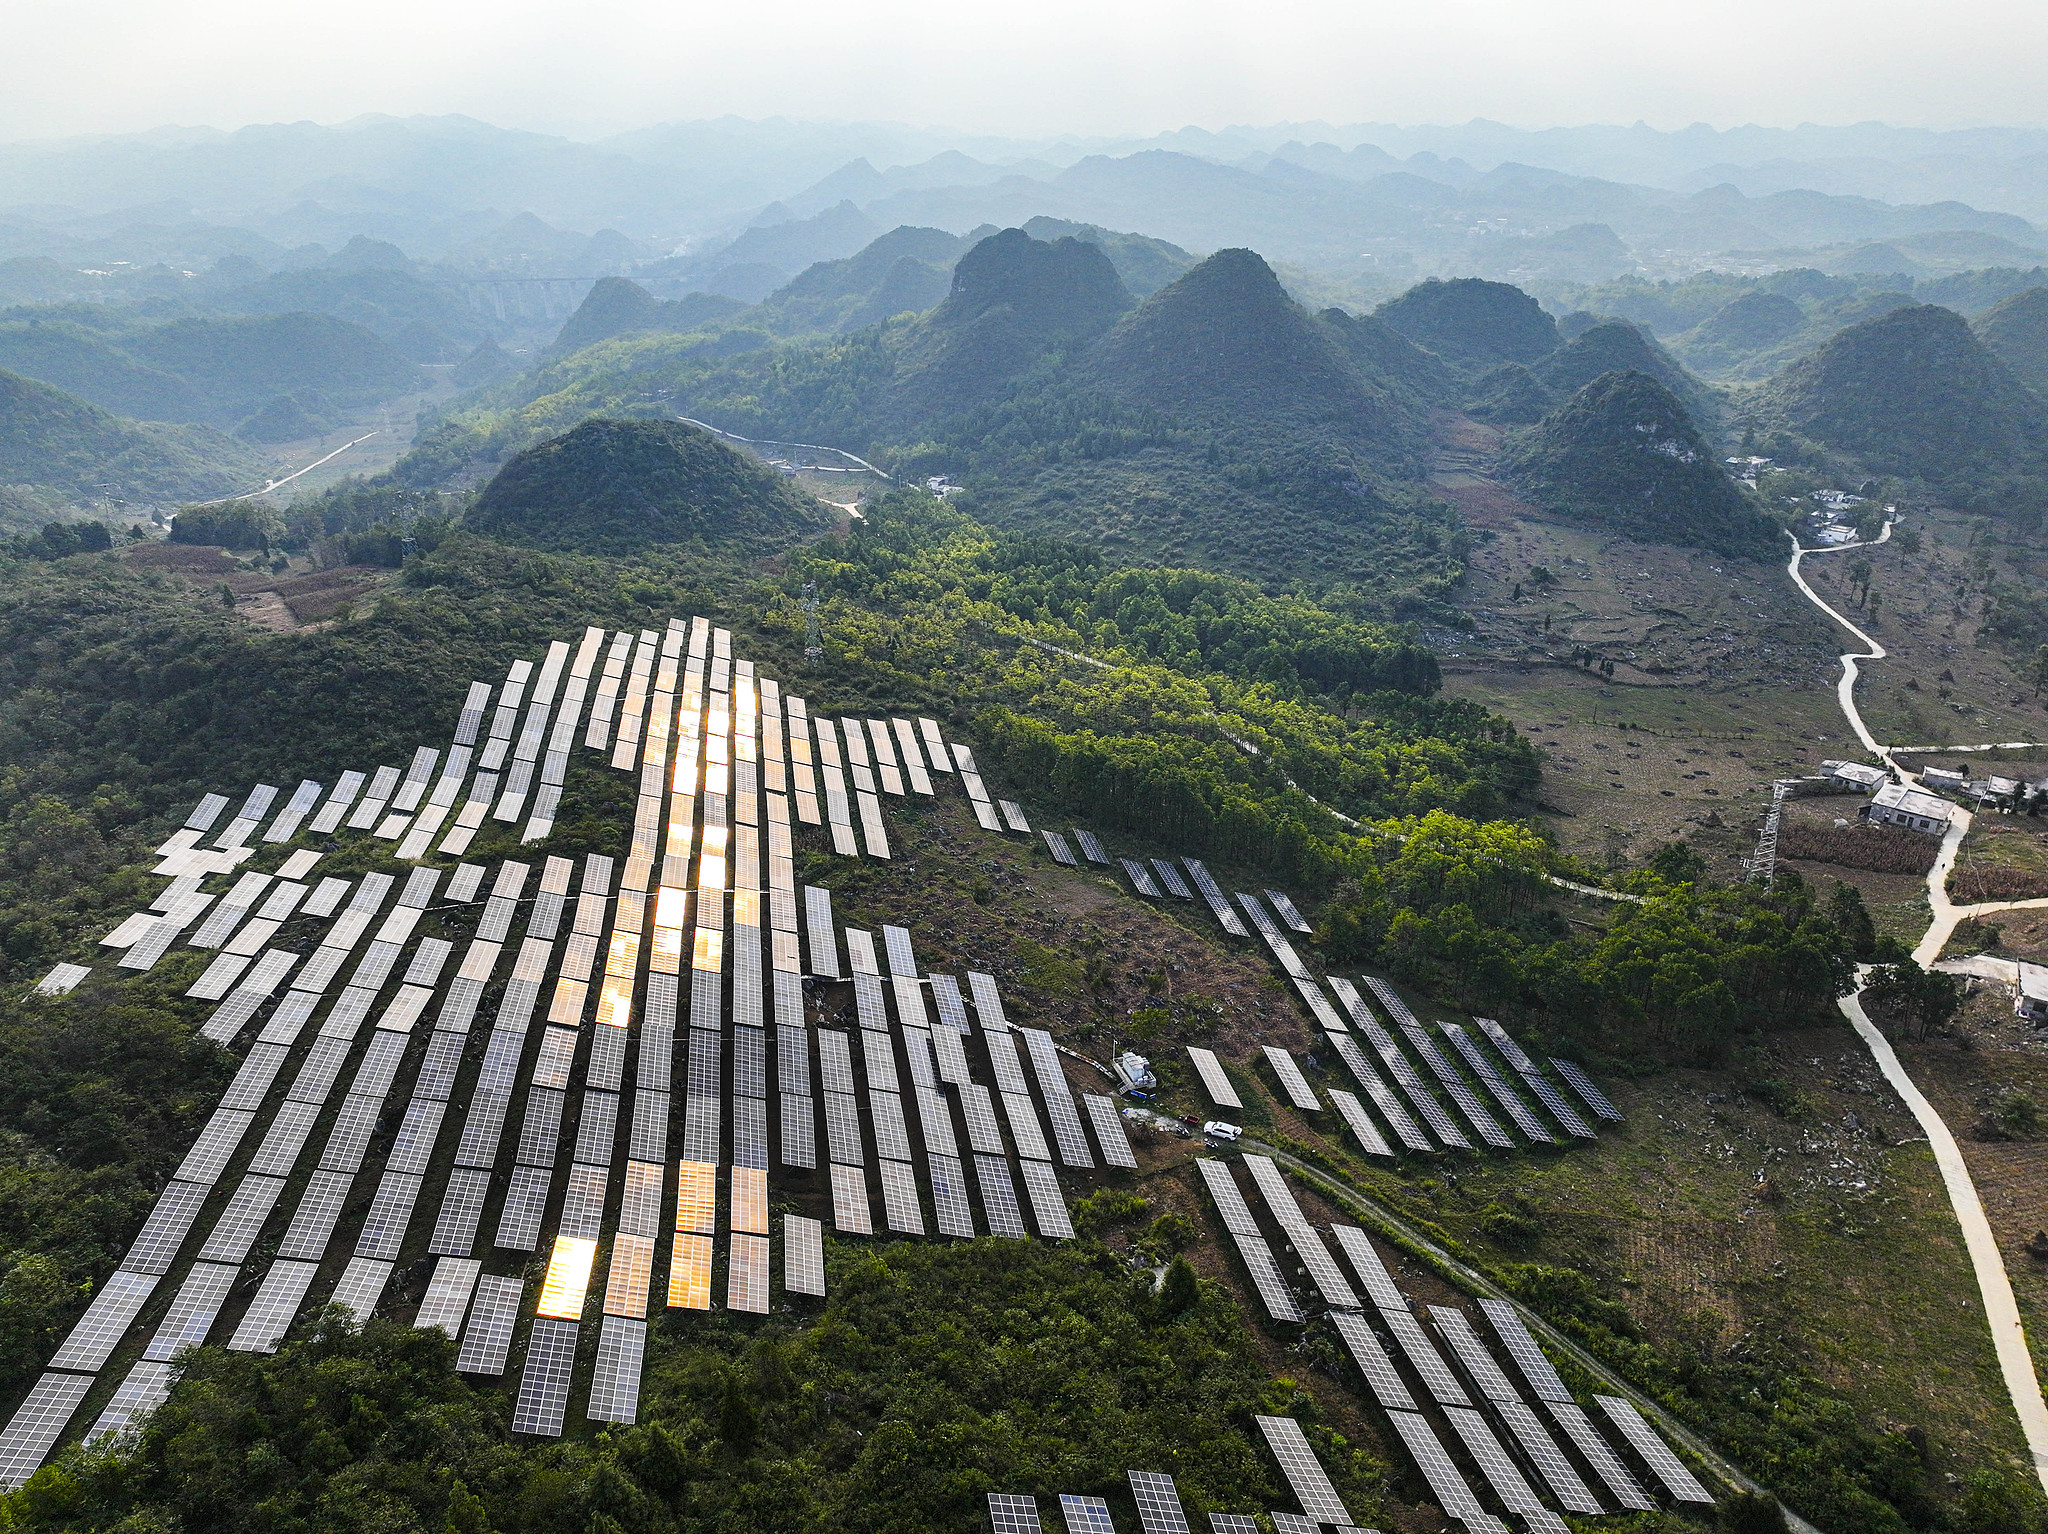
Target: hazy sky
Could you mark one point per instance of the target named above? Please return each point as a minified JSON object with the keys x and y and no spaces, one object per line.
{"x":1082,"y":66}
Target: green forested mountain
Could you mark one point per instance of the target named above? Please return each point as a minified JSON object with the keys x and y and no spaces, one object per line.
{"x":1913,"y":392}
{"x":1472,"y":322}
{"x":617,"y":306}
{"x":610,"y":487}
{"x":2015,"y":330}
{"x":1621,"y":348}
{"x":56,"y":441}
{"x":1739,"y":329}
{"x":215,"y":370}
{"x":1622,"y":452}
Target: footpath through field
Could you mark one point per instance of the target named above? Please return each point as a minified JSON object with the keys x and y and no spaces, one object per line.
{"x":2008,"y":1336}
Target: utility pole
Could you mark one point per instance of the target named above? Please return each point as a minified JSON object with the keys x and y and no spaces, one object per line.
{"x":814,"y":638}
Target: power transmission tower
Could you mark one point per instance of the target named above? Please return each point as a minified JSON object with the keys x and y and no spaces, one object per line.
{"x":814,"y":638}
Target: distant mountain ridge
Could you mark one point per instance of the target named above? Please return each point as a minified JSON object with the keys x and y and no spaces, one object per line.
{"x":54,"y":441}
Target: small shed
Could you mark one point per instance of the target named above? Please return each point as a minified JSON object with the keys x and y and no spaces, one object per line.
{"x":1899,"y":804}
{"x":2030,"y":995}
{"x":1944,"y":777}
{"x":1858,"y":777}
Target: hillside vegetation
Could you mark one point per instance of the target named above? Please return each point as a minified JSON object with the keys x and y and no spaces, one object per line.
{"x":1622,"y":452}
{"x":610,"y":487}
{"x":1913,"y":392}
{"x":53,"y":441}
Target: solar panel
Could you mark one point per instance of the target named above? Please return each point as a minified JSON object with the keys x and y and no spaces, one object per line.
{"x":1456,"y":1330}
{"x":1318,"y":1004}
{"x":798,"y":1125}
{"x":1048,"y":1206}
{"x":1012,"y":1514}
{"x":689,"y":1273}
{"x":1232,"y":1523}
{"x":842,"y":1129}
{"x":1370,"y":1140}
{"x":955,"y":1217}
{"x":487,"y":1335}
{"x":1589,"y":1094}
{"x":1437,"y":1379}
{"x":1109,"y":1130}
{"x":1303,"y":1470}
{"x":1003,"y":1061}
{"x":746,"y":1275}
{"x":1024,"y":1127}
{"x":1159,"y":1509}
{"x":209,"y":1154}
{"x":1373,"y":1361}
{"x":1056,"y":844}
{"x":1509,"y":1101}
{"x":1560,"y":1107}
{"x":1683,"y":1485}
{"x":320,"y":1206}
{"x":999,"y":1198}
{"x":803,"y":1255}
{"x":1501,"y":1473}
{"x":1620,"y":1482}
{"x":1542,"y":1452}
{"x":1287,"y":911}
{"x":99,"y":1331}
{"x":1448,"y":1486}
{"x":37,"y":1423}
{"x":1213,"y":895}
{"x":1170,"y":880}
{"x":275,"y":1307}
{"x":544,"y":1387}
{"x":193,"y":1310}
{"x":615,"y":1380}
{"x":390,"y":1212}
{"x":349,"y":1139}
{"x":824,"y":940}
{"x":1085,"y":1515}
{"x":749,"y":1200}
{"x":1091,"y":848}
{"x":977,"y":1108}
{"x":156,"y":1246}
{"x":462,"y":1206}
{"x":1398,"y":1066}
{"x":850,"y":1213}
{"x":1059,"y":1099}
{"x":236,"y":1229}
{"x":1141,"y":878}
{"x":1214,"y":1082}
{"x":1373,"y":1277}
{"x":526,"y":1199}
{"x":1406,"y":1130}
{"x":1013,"y":813}
{"x":1266,"y":1277}
{"x":1522,"y":1348}
{"x":1231,"y":1208}
{"x":1454,"y":1086}
{"x":446,"y":1301}
{"x":1292,"y":1082}
{"x":1294,"y":1523}
{"x":146,"y":1387}
{"x":879,"y":1056}
{"x":1308,"y":1246}
{"x":900,"y":1206}
{"x":631,"y":1275}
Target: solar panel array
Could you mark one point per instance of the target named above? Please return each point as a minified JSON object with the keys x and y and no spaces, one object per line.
{"x":1406,"y":1077}
{"x":1212,"y":894}
{"x":1214,"y":1082}
{"x":1250,"y":1242}
{"x":1292,"y":1082}
{"x":1589,"y":1094}
{"x":1012,"y":1514}
{"x":1141,"y":878}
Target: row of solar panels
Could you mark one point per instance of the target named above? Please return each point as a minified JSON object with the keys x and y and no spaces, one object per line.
{"x":1529,"y":1446}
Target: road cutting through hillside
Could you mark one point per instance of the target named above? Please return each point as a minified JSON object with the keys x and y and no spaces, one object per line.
{"x":2001,"y":1311}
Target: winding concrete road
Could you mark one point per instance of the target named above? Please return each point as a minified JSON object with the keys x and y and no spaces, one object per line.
{"x":2001,"y":1311}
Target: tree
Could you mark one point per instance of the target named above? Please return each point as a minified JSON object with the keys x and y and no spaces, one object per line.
{"x":1750,"y":1512}
{"x":465,"y":1512}
{"x":230,"y":525}
{"x":1859,"y":576}
{"x":1179,"y":1290}
{"x":1925,"y":999}
{"x":1852,"y":919}
{"x":1676,"y":863}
